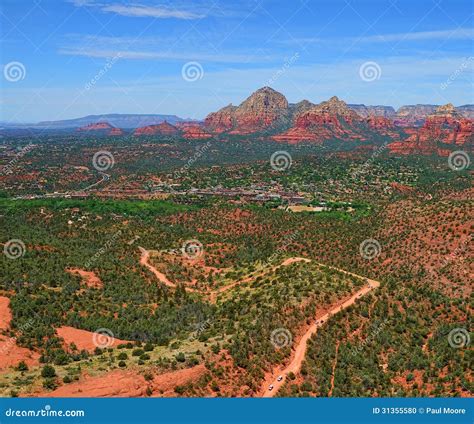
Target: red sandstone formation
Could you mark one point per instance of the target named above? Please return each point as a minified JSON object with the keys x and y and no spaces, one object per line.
{"x":195,"y":132}
{"x":101,"y":127}
{"x":445,"y":126}
{"x":331,"y":119}
{"x":160,"y":129}
{"x":263,"y":109}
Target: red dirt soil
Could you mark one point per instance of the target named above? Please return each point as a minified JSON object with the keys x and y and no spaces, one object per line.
{"x":88,"y":277}
{"x":123,"y":383}
{"x":5,"y":314}
{"x":85,"y":339}
{"x":145,"y":261}
{"x":10,"y":353}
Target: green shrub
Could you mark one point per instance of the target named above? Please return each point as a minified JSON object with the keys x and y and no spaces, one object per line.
{"x":48,"y":371}
{"x":22,"y":366}
{"x":122,"y":356}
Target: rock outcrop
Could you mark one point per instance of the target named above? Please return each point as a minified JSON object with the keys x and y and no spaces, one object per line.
{"x":445,"y":127}
{"x":194,"y":132}
{"x":331,"y":119}
{"x":164,"y":129}
{"x":265,"y":108}
{"x":103,"y":128}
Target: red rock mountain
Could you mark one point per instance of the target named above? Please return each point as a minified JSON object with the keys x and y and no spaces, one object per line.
{"x":263,"y":109}
{"x":446,"y":126}
{"x":160,"y":129}
{"x":101,"y":127}
{"x":333,"y":119}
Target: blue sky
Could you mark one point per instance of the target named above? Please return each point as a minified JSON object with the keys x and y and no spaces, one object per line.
{"x":81,"y":57}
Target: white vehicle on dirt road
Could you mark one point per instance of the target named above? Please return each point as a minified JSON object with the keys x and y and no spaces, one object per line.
{"x":280,"y":378}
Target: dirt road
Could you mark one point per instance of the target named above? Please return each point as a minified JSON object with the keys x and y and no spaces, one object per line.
{"x":300,"y":349}
{"x":145,"y":261}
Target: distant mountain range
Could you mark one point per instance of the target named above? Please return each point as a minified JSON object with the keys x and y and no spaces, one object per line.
{"x":267,"y":114}
{"x":118,"y":120}
{"x":406,"y":115}
{"x":426,"y":129}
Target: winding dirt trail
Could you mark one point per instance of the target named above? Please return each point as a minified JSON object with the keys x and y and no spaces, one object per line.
{"x":300,"y":348}
{"x":145,"y":261}
{"x":333,"y":374}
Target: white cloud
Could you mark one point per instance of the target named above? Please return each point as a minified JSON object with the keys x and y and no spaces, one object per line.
{"x":142,"y":11}
{"x":448,"y":34}
{"x":165,"y":55}
{"x":451,"y":34}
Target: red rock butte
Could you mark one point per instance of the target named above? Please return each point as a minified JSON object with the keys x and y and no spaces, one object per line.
{"x":101,"y":127}
{"x":160,"y":129}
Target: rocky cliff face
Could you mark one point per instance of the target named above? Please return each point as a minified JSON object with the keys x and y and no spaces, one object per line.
{"x":331,"y":119}
{"x":263,"y":109}
{"x":193,"y":131}
{"x":424,"y":128}
{"x":444,"y":127}
{"x":221,"y":121}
